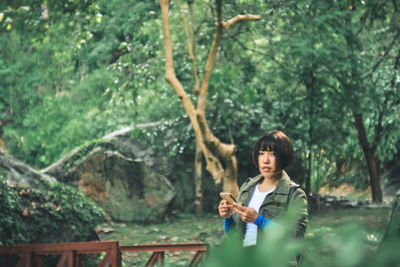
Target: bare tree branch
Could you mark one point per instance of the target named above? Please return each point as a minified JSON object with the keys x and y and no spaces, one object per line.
{"x":169,"y":64}
{"x":385,"y":54}
{"x":210,"y":60}
{"x":190,"y":43}
{"x":193,"y":34}
{"x":236,"y":19}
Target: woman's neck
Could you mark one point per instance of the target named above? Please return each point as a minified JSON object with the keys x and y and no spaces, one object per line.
{"x":270,"y":182}
{"x":273,"y":178}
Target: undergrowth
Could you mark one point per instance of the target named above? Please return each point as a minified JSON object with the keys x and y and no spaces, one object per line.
{"x":327,"y":229}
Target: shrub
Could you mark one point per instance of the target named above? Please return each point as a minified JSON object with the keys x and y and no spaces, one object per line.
{"x":55,"y":213}
{"x":346,"y":247}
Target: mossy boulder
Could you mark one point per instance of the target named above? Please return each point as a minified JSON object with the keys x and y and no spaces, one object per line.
{"x":112,"y":173}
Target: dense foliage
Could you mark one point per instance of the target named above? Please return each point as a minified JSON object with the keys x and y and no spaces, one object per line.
{"x":72,"y":71}
{"x":55,"y":213}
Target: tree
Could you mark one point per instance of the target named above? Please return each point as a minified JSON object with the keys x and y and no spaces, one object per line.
{"x":358,"y":78}
{"x":340,"y":59}
{"x":220,"y":157}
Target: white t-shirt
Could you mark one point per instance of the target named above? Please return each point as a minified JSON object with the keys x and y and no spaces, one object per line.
{"x":250,"y":237}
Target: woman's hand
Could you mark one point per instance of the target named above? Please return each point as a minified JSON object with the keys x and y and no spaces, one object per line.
{"x":225,"y":209}
{"x":248,"y":215}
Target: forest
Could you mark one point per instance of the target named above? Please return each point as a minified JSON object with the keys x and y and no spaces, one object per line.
{"x":210,"y":77}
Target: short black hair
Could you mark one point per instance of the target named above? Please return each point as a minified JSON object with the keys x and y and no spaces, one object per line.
{"x":278,"y":142}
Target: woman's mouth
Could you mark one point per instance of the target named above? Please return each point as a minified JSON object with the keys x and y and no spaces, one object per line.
{"x":266,"y":169}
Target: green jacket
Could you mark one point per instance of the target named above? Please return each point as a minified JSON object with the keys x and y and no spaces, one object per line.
{"x":275,"y":203}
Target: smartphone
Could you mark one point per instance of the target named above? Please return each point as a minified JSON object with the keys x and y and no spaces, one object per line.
{"x":228,"y":197}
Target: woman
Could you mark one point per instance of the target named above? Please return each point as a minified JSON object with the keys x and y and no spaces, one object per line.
{"x":263,"y":198}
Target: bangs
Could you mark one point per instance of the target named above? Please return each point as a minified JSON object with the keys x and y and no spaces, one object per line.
{"x":267,"y":145}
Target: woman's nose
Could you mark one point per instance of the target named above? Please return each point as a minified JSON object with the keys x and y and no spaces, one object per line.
{"x":266,"y":158}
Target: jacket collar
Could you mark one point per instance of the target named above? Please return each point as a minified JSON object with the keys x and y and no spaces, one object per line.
{"x":283,"y":185}
{"x":281,"y":188}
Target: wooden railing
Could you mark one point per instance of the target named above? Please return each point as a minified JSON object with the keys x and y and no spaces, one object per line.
{"x":31,"y":255}
{"x":159,"y":251}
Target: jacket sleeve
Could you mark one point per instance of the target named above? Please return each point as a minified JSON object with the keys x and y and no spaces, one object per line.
{"x":298,"y":206}
{"x":262,"y":222}
{"x":229,"y":223}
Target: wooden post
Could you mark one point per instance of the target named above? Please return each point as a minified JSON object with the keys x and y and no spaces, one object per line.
{"x":25,"y":260}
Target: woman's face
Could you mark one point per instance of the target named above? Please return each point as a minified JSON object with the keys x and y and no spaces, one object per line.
{"x":267,"y":163}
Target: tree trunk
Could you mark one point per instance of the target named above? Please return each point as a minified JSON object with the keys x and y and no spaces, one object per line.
{"x":308,"y":179}
{"x":372,"y":161}
{"x":198,"y":183}
{"x":214,"y":151}
{"x":311,"y":86}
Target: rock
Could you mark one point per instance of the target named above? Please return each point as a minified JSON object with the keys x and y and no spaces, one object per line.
{"x":375,"y":205}
{"x":352,"y":204}
{"x":390,"y":180}
{"x":122,"y":139}
{"x":211,"y":235}
{"x":321,"y":201}
{"x":112,"y":172}
{"x":19,"y":174}
{"x":156,"y":159}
